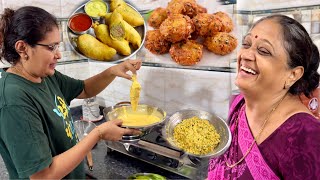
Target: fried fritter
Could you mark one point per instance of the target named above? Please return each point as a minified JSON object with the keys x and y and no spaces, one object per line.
{"x":185,"y":7}
{"x":201,"y":23}
{"x":186,"y":53}
{"x":214,"y":26}
{"x":176,"y":27}
{"x":221,"y":43}
{"x":155,"y":42}
{"x":227,"y":25}
{"x":157,"y":17}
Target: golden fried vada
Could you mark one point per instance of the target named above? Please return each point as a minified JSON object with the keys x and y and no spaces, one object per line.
{"x":227,"y":25}
{"x":157,"y":17}
{"x":155,"y":43}
{"x":214,"y":26}
{"x":221,"y":43}
{"x":201,"y":23}
{"x":185,"y":7}
{"x":186,"y":53}
{"x":176,"y":27}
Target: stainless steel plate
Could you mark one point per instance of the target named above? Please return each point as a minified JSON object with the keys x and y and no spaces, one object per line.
{"x":219,"y":124}
{"x":117,"y":58}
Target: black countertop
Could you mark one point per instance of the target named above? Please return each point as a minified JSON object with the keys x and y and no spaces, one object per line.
{"x":115,"y":165}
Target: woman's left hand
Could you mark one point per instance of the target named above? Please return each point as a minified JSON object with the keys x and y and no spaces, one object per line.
{"x":121,"y":69}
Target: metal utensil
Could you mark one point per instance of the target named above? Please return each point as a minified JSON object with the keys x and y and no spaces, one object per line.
{"x":219,"y":124}
{"x":112,"y":113}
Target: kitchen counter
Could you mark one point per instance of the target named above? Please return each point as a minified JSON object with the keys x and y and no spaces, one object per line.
{"x":115,"y":165}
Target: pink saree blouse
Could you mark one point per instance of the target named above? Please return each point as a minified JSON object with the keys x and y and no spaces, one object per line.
{"x":290,"y":152}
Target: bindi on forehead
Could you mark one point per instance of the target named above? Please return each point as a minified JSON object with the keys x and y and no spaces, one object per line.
{"x":256,"y":36}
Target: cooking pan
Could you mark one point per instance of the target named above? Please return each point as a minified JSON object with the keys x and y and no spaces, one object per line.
{"x":113,"y":112}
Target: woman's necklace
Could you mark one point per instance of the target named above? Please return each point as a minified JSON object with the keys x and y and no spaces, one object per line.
{"x":19,"y":72}
{"x":254,"y":140}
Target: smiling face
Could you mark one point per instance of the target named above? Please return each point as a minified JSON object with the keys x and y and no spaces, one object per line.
{"x":262,"y":60}
{"x":42,"y":60}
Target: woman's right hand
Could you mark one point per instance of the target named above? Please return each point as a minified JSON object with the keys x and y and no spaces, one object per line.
{"x":112,"y":131}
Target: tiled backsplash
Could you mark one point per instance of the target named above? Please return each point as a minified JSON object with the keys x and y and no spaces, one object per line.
{"x":172,"y":89}
{"x":168,"y":88}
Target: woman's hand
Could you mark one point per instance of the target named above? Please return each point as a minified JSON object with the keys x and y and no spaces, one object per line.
{"x":112,"y":131}
{"x":121,"y":69}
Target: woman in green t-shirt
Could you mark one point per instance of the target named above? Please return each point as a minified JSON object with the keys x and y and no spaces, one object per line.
{"x":37,"y":136}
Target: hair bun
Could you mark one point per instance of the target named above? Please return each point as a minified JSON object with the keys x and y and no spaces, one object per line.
{"x":5,"y":21}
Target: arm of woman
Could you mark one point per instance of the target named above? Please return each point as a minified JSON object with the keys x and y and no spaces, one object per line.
{"x":64,"y":163}
{"x":95,"y":84}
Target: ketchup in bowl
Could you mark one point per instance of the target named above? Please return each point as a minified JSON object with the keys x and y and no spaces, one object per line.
{"x":80,"y":23}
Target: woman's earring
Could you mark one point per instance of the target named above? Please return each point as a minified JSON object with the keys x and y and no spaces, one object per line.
{"x":286,"y":86}
{"x":26,"y":56}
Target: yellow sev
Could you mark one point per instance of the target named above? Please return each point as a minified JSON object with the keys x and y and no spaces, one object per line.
{"x":196,"y":136}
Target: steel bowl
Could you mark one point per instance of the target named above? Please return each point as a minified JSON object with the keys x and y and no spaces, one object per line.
{"x":115,"y":112}
{"x":97,"y":17}
{"x":76,"y":31}
{"x":219,"y":124}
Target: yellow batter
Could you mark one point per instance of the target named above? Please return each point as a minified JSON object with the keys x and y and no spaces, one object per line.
{"x":135,"y":92}
{"x":134,"y":119}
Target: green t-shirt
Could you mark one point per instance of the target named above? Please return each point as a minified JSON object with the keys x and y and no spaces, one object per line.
{"x":36,"y":123}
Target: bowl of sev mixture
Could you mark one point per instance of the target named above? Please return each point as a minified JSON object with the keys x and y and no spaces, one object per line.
{"x":197,"y":133}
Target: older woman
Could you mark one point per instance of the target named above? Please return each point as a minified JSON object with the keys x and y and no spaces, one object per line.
{"x":274,"y":136}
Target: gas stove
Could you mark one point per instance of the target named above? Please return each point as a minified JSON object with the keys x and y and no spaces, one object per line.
{"x":154,"y":149}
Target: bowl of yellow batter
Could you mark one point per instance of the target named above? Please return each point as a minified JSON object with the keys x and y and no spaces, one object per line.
{"x":144,"y":118}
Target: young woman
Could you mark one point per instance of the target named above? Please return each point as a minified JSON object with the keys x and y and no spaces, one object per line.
{"x":37,"y":136}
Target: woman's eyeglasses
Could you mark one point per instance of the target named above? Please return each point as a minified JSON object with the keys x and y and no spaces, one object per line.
{"x":51,"y":47}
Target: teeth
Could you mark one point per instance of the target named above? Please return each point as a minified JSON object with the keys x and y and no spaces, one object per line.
{"x":248,"y":70}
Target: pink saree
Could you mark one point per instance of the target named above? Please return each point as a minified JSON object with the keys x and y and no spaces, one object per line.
{"x":292,"y":151}
{"x":253,"y":166}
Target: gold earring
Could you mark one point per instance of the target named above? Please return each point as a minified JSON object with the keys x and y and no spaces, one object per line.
{"x":26,"y":56}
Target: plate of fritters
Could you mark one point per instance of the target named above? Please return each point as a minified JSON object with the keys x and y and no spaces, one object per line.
{"x":184,"y":32}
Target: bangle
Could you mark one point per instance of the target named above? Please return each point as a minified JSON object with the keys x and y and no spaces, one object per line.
{"x":100,"y":134}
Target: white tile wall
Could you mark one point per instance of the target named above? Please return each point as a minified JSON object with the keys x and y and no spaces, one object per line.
{"x":52,"y":6}
{"x":172,"y":89}
{"x":68,"y":7}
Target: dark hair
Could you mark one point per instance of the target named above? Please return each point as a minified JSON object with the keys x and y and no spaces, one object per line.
{"x":28,"y":23}
{"x":301,"y":51}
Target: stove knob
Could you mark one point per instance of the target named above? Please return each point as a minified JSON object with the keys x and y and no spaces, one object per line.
{"x":152,"y":155}
{"x":171,"y":162}
{"x":135,"y":150}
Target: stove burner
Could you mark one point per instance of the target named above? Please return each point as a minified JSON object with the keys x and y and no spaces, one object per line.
{"x":135,"y":150}
{"x":126,"y":138}
{"x":160,"y":139}
{"x":195,"y":160}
